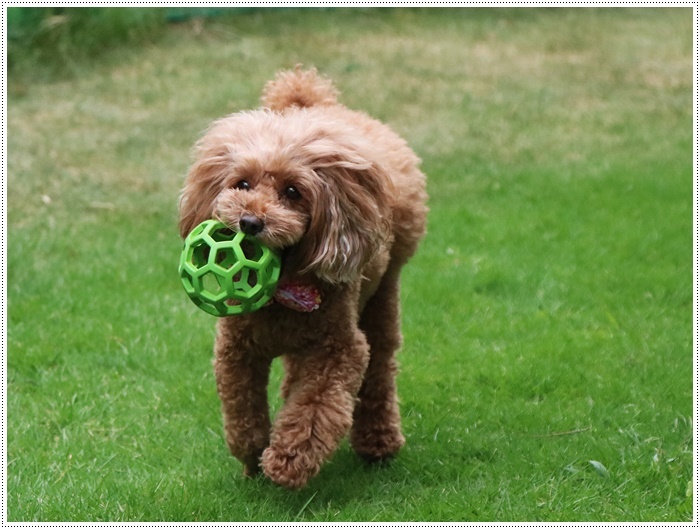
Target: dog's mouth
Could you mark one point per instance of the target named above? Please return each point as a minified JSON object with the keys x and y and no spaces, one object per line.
{"x":294,"y":291}
{"x":277,"y":242}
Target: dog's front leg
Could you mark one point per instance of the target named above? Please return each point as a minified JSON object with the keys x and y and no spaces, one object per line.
{"x":322,"y":387}
{"x":241,"y":379}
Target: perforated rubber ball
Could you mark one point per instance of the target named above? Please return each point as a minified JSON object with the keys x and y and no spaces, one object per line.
{"x":226,"y":273}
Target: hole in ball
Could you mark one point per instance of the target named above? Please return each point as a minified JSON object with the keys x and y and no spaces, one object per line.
{"x":223,"y":234}
{"x":200,"y":255}
{"x":251,"y":251}
{"x":210,"y":283}
{"x":252,"y":278}
{"x":225,"y":257}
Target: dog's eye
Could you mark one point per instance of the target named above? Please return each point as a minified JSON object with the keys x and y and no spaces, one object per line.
{"x":243,"y":185}
{"x":292,"y":193}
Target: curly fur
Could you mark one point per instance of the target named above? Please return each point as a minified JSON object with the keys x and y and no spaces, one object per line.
{"x":359,"y":217}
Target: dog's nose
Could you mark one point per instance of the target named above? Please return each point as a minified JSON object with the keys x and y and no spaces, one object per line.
{"x":251,"y":225}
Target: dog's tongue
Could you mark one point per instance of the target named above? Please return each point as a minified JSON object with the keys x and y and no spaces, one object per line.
{"x":298,"y":296}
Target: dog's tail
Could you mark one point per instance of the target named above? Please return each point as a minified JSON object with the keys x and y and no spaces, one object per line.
{"x":298,"y":88}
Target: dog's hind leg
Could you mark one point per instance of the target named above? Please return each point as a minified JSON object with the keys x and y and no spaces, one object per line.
{"x":376,"y":431}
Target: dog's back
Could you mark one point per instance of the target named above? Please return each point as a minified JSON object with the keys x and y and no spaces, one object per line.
{"x":306,"y":89}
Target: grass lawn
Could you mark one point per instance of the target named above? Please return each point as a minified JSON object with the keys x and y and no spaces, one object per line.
{"x":547,"y":366}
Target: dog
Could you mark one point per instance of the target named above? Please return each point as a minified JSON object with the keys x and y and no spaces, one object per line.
{"x":342,"y":198}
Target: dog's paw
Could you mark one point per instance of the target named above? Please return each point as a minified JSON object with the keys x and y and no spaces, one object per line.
{"x":251,"y":469}
{"x":288,"y":467}
{"x":378,"y":445}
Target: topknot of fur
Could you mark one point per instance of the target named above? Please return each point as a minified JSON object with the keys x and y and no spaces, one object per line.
{"x":298,"y":88}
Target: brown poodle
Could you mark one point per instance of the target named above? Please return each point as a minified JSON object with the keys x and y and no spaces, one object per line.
{"x":342,"y":197}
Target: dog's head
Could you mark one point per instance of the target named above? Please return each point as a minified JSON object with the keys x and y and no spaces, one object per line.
{"x":299,"y":183}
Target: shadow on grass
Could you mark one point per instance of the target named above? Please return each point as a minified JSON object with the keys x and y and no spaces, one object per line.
{"x":340,"y":492}
{"x":350,"y":490}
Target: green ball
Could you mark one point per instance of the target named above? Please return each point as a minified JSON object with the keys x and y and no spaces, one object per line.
{"x":227,"y":273}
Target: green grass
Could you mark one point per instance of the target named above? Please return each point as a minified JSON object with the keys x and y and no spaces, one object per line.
{"x":547,"y":366}
{"x":45,"y":43}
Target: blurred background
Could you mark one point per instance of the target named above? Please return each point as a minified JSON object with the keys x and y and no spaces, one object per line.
{"x":547,"y":366}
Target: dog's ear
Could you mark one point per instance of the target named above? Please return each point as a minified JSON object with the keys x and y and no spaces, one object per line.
{"x":350,"y":217}
{"x":204,"y":182}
